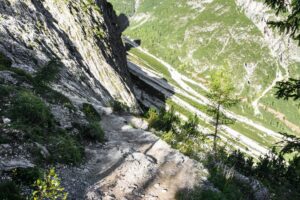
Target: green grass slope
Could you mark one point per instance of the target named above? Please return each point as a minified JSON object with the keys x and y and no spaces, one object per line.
{"x":197,"y":38}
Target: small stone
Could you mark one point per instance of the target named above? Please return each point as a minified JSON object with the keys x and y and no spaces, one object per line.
{"x":5,"y":146}
{"x":45,"y":153}
{"x":6,"y":120}
{"x":15,"y":163}
{"x":85,"y":170}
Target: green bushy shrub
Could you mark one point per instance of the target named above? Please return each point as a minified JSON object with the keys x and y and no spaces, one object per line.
{"x":163,"y":120}
{"x":10,"y":191}
{"x":45,"y":75}
{"x":65,"y":149}
{"x":54,"y":97}
{"x":94,"y":132}
{"x":228,"y":185}
{"x":190,"y":127}
{"x":29,"y":109}
{"x":281,"y":177}
{"x":152,"y":116}
{"x":118,"y":106}
{"x":4,"y":91}
{"x":187,"y":147}
{"x":228,"y":188}
{"x":91,"y":132}
{"x":49,"y":188}
{"x":183,"y":136}
{"x":90,"y":112}
{"x":169,"y":137}
{"x":26,"y":176}
{"x":30,"y":114}
{"x":4,"y":62}
{"x":48,"y":73}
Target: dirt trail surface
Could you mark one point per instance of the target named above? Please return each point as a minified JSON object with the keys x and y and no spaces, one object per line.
{"x":281,"y":117}
{"x":132,"y":164}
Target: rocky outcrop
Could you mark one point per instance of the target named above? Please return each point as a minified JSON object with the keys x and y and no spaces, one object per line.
{"x":15,"y":163}
{"x":83,"y":35}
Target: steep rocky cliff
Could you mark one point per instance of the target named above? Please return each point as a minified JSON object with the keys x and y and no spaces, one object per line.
{"x":280,"y":45}
{"x":84,"y":36}
{"x":62,"y":63}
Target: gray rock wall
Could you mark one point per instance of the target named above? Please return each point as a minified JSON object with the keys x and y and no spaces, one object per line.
{"x":83,"y":35}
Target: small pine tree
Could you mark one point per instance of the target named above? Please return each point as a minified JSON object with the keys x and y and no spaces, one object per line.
{"x":222,"y":96}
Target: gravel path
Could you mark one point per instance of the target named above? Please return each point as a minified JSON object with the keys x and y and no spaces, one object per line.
{"x":132,"y":164}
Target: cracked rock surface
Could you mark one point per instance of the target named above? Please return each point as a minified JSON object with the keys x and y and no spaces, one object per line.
{"x":83,"y":36}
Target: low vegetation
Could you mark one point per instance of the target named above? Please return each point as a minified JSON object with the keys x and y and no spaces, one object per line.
{"x":30,"y":114}
{"x":26,"y":176}
{"x":118,"y":106}
{"x":27,"y":105}
{"x":280,"y":175}
{"x":163,"y":120}
{"x":49,"y":187}
{"x":29,"y":109}
{"x":183,"y":136}
{"x":90,"y":112}
{"x":186,"y":137}
{"x":274,"y":171}
{"x":10,"y":191}
{"x":93,"y":130}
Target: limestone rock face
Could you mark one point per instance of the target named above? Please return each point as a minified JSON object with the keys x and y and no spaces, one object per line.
{"x":84,"y":35}
{"x":281,"y":45}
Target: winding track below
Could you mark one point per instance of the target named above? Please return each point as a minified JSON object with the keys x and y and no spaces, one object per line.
{"x":160,"y":85}
{"x":179,"y":79}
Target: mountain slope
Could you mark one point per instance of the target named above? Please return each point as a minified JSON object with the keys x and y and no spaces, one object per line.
{"x":198,"y":37}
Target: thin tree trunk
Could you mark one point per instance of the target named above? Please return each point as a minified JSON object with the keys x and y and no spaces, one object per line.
{"x":216,"y":128}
